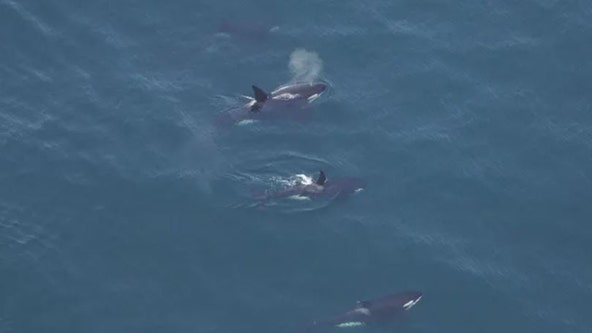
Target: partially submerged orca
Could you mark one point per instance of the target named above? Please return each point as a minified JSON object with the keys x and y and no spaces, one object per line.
{"x":287,"y":95}
{"x":251,"y":31}
{"x":289,"y":101}
{"x":379,"y":310}
{"x":321,"y":188}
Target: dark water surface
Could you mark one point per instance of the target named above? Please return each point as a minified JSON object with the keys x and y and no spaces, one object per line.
{"x":123,"y":208}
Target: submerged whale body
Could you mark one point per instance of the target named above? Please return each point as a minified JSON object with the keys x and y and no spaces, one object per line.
{"x":288,"y":101}
{"x":251,"y":31}
{"x":379,"y":310}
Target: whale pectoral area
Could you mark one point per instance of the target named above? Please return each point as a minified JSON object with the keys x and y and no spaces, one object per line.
{"x":246,"y":122}
{"x":351,"y":324}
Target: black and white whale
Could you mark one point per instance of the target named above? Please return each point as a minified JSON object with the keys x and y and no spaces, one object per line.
{"x":321,"y":188}
{"x":288,"y":101}
{"x":285,"y":96}
{"x":381,"y":310}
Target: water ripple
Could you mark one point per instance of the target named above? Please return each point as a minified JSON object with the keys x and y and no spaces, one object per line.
{"x":19,"y":8}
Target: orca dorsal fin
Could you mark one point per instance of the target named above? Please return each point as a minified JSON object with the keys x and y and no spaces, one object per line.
{"x":260,"y":95}
{"x":322,"y":179}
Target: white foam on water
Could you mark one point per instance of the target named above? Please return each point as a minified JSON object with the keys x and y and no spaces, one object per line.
{"x":304,"y":179}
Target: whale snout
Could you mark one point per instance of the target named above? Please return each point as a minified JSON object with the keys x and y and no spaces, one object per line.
{"x":348,"y":185}
{"x":315,"y":90}
{"x":319,"y":87}
{"x":357,"y":185}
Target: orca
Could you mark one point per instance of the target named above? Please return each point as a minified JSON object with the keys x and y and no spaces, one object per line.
{"x":288,"y":101}
{"x":289,"y":94}
{"x":323,"y":187}
{"x":381,"y":310}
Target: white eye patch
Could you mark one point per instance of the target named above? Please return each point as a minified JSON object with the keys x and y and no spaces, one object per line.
{"x":411,"y":303}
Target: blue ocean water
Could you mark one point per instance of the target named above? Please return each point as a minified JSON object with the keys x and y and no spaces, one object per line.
{"x":123,"y":208}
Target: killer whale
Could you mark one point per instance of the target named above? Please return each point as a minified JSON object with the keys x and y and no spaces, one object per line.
{"x":287,"y":95}
{"x":288,"y":101}
{"x":374,"y":311}
{"x":323,"y":187}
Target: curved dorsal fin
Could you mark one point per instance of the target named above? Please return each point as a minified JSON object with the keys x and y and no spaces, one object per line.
{"x":260,"y":95}
{"x":322,"y":179}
